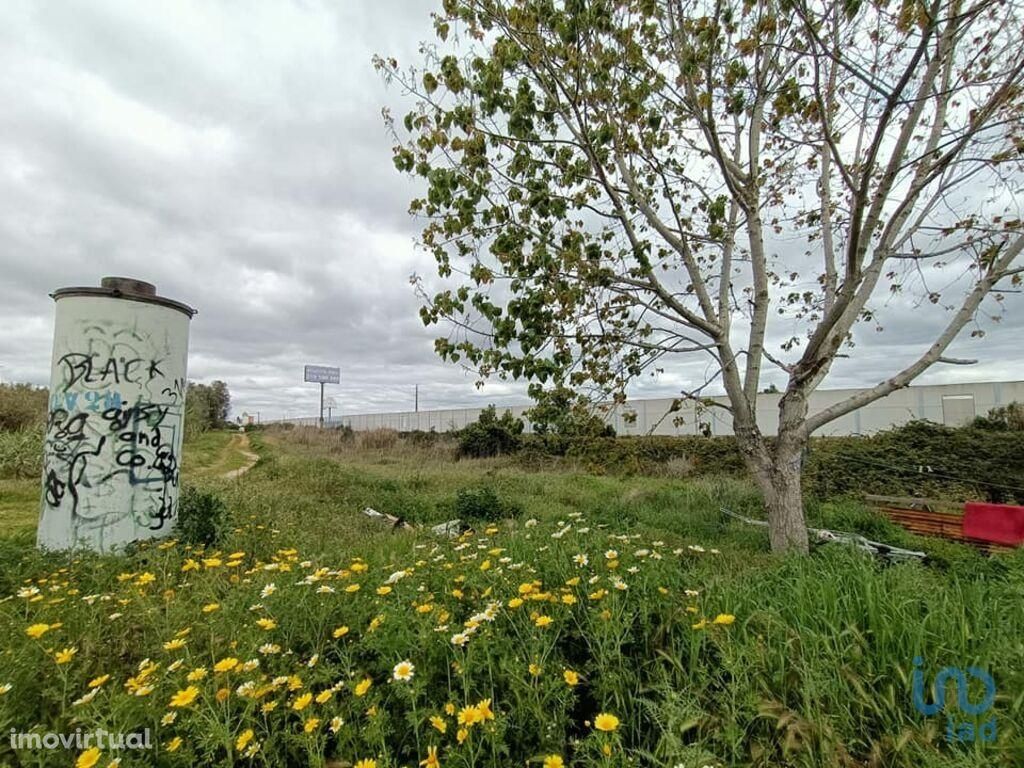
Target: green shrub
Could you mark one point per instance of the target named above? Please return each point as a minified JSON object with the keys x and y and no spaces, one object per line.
{"x":920,"y":459}
{"x":203,"y":517}
{"x":560,"y":412}
{"x":483,"y":503}
{"x":1005,"y":418}
{"x":21,"y":453}
{"x":489,"y":435}
{"x":22,"y":406}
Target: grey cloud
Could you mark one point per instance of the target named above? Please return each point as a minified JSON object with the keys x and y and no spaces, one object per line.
{"x":234,"y":154}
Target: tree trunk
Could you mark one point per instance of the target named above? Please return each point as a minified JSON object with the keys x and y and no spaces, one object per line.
{"x":783,"y":495}
{"x":777,"y":467}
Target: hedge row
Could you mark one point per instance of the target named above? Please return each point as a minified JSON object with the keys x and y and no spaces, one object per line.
{"x":917,"y":459}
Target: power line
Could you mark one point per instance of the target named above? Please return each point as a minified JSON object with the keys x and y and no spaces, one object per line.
{"x":920,"y":470}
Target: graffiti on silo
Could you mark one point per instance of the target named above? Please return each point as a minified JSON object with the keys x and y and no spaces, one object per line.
{"x":111,"y":463}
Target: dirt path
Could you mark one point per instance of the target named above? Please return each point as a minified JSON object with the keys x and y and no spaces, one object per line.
{"x":240,"y":444}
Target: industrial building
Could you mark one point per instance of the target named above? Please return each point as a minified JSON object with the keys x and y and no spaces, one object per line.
{"x":950,"y":404}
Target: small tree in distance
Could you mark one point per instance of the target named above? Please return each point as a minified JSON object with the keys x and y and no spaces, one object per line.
{"x":607,"y":183}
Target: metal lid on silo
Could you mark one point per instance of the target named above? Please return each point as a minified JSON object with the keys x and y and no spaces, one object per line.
{"x":125,"y":288}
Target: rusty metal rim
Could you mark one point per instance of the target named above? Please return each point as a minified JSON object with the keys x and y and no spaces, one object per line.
{"x":115,"y":293}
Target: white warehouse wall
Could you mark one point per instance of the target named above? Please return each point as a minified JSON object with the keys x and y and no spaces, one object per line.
{"x":951,"y":404}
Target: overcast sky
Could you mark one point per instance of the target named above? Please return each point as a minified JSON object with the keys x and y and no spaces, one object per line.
{"x":233,"y":153}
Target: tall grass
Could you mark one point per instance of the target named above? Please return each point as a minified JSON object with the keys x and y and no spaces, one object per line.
{"x":21,"y":453}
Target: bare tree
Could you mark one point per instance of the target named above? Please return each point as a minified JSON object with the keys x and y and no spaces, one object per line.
{"x":607,"y":183}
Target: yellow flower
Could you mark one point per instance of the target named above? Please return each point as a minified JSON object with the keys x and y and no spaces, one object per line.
{"x":89,"y":758}
{"x":211,"y":607}
{"x":701,"y":624}
{"x":367,"y":763}
{"x":65,"y":656}
{"x":484,"y":708}
{"x":244,"y":738}
{"x":311,"y":724}
{"x":431,"y":761}
{"x":403,"y":671}
{"x":470,"y":716}
{"x":199,"y":673}
{"x":569,"y":599}
{"x":385,"y":590}
{"x":571,"y":678}
{"x":38,"y":630}
{"x":449,"y":708}
{"x":438,"y":722}
{"x":543,"y":621}
{"x":535,"y":670}
{"x":96,"y":682}
{"x":724,"y":618}
{"x":302,"y":702}
{"x":324,"y":696}
{"x":352,"y":588}
{"x":515,"y":602}
{"x":145,"y":578}
{"x":222,"y":694}
{"x":185,"y":697}
{"x":212,"y":562}
{"x":174,"y":645}
{"x":225,"y":665}
{"x":267,"y":624}
{"x":462,"y":735}
{"x":173,"y":744}
{"x":340,"y":632}
{"x":554,"y":761}
{"x":363,"y":686}
{"x":190,"y":565}
{"x":606,"y":722}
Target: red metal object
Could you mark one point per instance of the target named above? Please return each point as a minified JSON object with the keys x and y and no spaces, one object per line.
{"x":998,"y":523}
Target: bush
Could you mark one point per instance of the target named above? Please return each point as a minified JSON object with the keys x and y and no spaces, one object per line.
{"x":21,"y":453}
{"x":22,"y":406}
{"x":483,"y":503}
{"x":203,"y":517}
{"x":920,"y":459}
{"x":561,"y":412}
{"x":1007,"y":418}
{"x":489,"y":435}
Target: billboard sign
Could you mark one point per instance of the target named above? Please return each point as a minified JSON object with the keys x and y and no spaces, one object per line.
{"x":321,"y":374}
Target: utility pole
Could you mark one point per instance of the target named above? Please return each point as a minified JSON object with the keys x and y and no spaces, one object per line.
{"x":321,"y":405}
{"x":417,"y":398}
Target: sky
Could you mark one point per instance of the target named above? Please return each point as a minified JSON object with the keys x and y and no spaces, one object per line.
{"x":234,"y":154}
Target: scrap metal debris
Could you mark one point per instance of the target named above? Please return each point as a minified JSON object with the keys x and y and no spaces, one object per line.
{"x":876,"y":548}
{"x":451,"y":529}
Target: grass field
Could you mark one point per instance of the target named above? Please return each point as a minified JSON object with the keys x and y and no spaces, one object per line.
{"x":611,"y":621}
